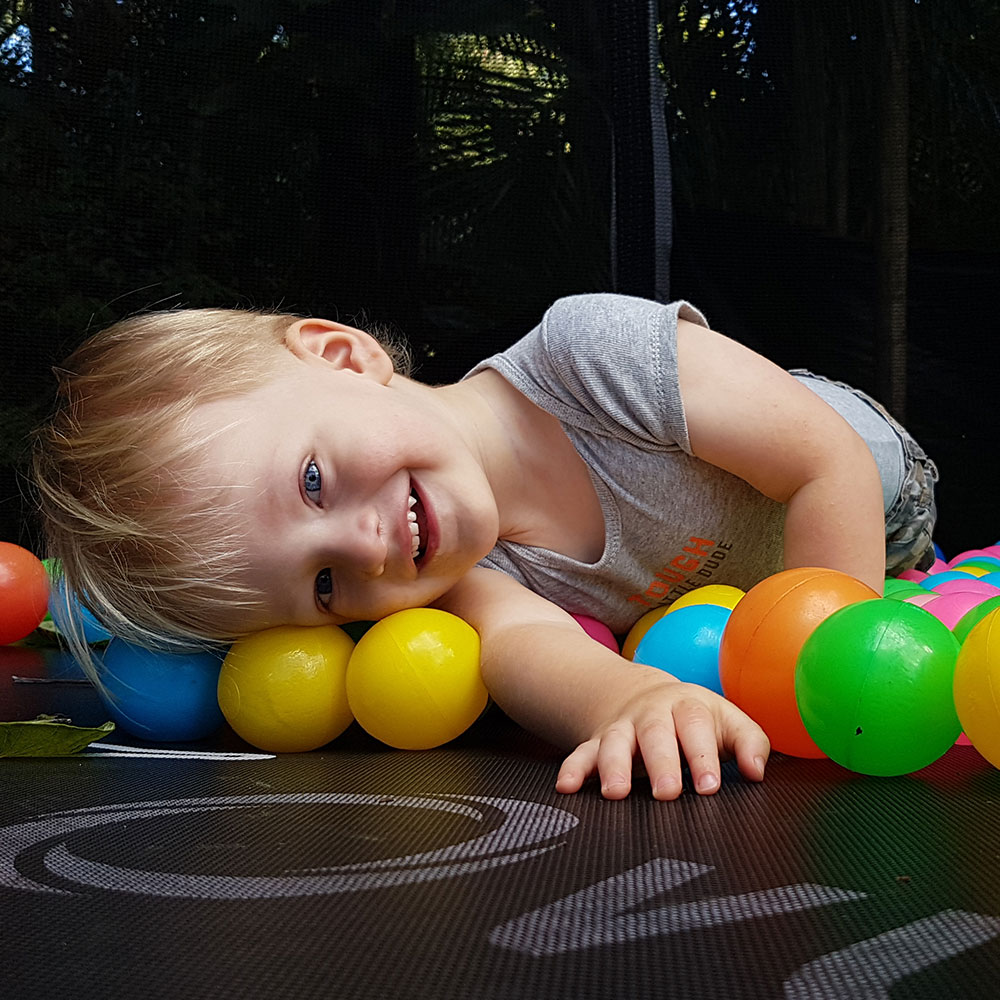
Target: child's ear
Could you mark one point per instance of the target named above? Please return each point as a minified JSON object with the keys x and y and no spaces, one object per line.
{"x":344,"y":347}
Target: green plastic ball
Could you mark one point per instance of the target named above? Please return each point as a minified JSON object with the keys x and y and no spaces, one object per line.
{"x":874,"y":687}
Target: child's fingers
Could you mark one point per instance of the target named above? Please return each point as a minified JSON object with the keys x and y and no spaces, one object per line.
{"x":577,"y":767}
{"x":662,"y":759}
{"x":614,"y":760}
{"x":751,"y":748}
{"x":697,"y":735}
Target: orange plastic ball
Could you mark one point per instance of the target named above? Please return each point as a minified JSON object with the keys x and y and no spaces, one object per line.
{"x":762,"y":641}
{"x":24,"y":592}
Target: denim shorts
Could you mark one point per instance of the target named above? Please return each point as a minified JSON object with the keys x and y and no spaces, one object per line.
{"x":909,"y":519}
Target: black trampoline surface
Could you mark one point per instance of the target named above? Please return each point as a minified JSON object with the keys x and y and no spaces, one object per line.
{"x":210,"y":870}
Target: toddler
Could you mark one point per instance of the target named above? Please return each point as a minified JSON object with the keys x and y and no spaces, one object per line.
{"x":210,"y":473}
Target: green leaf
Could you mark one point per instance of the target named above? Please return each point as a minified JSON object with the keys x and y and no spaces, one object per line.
{"x":48,"y":736}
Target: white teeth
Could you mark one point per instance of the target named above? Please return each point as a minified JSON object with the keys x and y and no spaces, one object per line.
{"x":411,"y":501}
{"x":411,"y":519}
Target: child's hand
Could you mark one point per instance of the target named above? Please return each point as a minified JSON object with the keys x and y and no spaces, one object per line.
{"x":662,"y":723}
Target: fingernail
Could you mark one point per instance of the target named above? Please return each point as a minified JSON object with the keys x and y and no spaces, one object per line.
{"x":759,"y":761}
{"x":708,"y":783}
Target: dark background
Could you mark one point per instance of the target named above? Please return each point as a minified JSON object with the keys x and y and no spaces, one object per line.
{"x":444,"y":167}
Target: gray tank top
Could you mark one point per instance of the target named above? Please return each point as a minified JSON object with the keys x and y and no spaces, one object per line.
{"x":606,"y":367}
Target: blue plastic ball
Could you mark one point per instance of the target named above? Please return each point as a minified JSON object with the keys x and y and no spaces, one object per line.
{"x":936,"y":579}
{"x":686,"y":643}
{"x":163,"y":697}
{"x":67,"y":613}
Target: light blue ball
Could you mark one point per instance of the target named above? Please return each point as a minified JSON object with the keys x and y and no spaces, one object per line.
{"x":935,"y":579}
{"x":163,"y":697}
{"x":685,"y":643}
{"x":66,"y":609}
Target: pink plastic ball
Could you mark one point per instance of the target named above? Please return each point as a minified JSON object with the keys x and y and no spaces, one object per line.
{"x":949,"y":608}
{"x":921,"y":600}
{"x":974,"y":585}
{"x":966,"y":556}
{"x":913,"y":574}
{"x":599,"y":631}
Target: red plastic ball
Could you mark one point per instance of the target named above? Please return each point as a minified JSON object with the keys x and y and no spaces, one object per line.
{"x":762,"y":642}
{"x":24,"y":592}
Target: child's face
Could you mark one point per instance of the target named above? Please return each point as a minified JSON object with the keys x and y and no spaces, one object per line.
{"x":321,"y":464}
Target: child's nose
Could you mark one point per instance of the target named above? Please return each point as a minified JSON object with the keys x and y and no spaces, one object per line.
{"x":359,"y":545}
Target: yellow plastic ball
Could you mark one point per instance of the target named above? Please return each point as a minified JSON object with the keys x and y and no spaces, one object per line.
{"x":977,"y":687}
{"x":284,"y":689}
{"x":414,"y":680}
{"x":714,"y":593}
{"x":721,"y":594}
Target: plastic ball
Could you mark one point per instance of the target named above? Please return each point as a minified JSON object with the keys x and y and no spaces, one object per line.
{"x":598,"y":631}
{"x":973,"y":617}
{"x":967,"y":556}
{"x":935,"y":580}
{"x":686,"y":644}
{"x":284,"y":689}
{"x":922,"y":599}
{"x":762,"y":641}
{"x":720,"y":594}
{"x":639,"y":629}
{"x":874,"y":684}
{"x":970,"y":585}
{"x":950,"y":608}
{"x":899,"y":589}
{"x":414,"y":682}
{"x":24,"y":592}
{"x":914,"y":575}
{"x":69,"y":614}
{"x":977,"y":684}
{"x":164,"y":697}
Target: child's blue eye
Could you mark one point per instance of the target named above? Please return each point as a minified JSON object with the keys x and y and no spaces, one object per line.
{"x":312,"y":482}
{"x":324,"y":587}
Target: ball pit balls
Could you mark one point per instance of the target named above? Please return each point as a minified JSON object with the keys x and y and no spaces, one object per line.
{"x":900,"y":589}
{"x":597,"y":631}
{"x":977,"y":687}
{"x":720,"y":594}
{"x":639,"y":629}
{"x":972,"y":618}
{"x":934,"y":580}
{"x":70,"y":615}
{"x":413,"y":681}
{"x":24,"y":592}
{"x":284,"y":689}
{"x":970,"y":585}
{"x":951,"y":608}
{"x":874,"y":687}
{"x":163,"y":697}
{"x":686,"y":644}
{"x":762,"y":641}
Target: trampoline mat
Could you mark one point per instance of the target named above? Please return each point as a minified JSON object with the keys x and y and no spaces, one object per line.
{"x":211,"y":870}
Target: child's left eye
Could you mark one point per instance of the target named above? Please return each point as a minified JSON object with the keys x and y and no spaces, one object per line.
{"x":312,"y":483}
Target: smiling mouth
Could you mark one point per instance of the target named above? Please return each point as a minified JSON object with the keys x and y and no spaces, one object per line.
{"x":417,"y":521}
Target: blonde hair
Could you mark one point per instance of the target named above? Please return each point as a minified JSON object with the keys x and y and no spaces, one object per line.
{"x":138,"y":539}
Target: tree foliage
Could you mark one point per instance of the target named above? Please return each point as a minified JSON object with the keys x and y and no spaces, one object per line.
{"x":441,"y":165}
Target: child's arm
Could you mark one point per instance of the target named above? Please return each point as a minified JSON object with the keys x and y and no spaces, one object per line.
{"x":756,"y":421}
{"x":552,"y":678}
